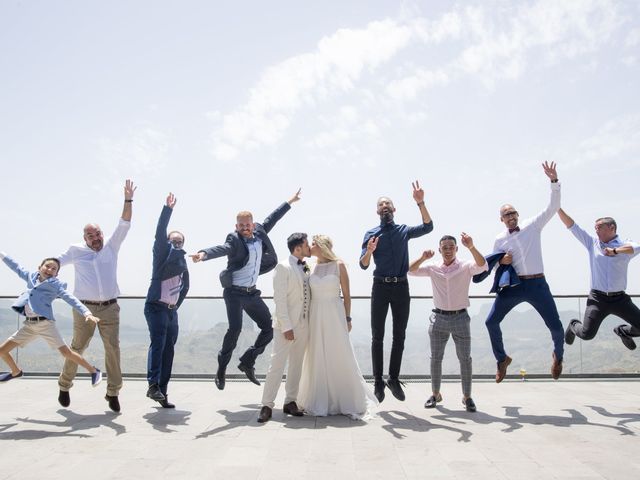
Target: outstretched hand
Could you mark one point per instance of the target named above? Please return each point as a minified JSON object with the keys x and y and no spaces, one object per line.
{"x":197,"y":257}
{"x":295,"y":197}
{"x":129,"y":189}
{"x":418,"y":192}
{"x":171,"y":200}
{"x":550,"y":170}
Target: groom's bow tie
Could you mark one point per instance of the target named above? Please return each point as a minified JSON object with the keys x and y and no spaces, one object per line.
{"x":302,"y":262}
{"x":512,"y":230}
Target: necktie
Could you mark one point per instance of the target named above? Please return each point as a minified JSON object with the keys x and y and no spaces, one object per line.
{"x":512,"y":230}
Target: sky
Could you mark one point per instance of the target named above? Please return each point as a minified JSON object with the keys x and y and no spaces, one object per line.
{"x":235,"y":105}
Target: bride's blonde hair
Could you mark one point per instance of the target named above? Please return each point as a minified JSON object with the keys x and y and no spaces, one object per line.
{"x":326,"y":247}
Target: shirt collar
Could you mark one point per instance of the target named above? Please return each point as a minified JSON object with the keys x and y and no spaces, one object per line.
{"x":454,"y":265}
{"x":385,"y":224}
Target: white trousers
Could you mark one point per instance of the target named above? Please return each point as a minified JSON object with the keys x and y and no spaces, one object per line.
{"x":283,"y":350}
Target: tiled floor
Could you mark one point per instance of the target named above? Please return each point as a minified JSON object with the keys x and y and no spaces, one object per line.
{"x":568,"y":429}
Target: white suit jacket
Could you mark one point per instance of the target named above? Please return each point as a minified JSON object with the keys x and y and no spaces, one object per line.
{"x":289,"y":295}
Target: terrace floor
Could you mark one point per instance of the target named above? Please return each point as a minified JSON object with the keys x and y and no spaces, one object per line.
{"x":538,"y":429}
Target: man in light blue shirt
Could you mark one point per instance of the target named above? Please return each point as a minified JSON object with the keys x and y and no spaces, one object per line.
{"x":609,"y":259}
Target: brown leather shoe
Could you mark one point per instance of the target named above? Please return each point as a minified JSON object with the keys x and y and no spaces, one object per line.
{"x":502,"y":369}
{"x":292,"y":409}
{"x":556,"y":368}
{"x":265,"y":414}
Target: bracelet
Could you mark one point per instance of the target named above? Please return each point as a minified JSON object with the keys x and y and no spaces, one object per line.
{"x":348,"y":318}
{"x":420,"y":203}
{"x":128,"y":201}
{"x":554,"y":181}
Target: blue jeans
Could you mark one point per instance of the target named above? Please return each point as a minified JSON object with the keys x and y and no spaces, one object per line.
{"x":236,"y":302}
{"x":163,"y":331}
{"x":534,"y":291}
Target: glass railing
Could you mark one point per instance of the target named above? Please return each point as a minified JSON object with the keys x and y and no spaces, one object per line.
{"x":203,"y":324}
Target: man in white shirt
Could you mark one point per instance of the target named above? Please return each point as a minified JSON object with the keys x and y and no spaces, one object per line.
{"x":450,"y":281}
{"x":96,"y":285}
{"x":522,"y":244}
{"x":609,"y":259}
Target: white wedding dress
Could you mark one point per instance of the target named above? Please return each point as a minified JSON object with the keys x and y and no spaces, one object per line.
{"x":331,"y":382}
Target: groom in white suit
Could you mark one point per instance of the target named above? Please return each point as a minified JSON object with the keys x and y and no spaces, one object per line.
{"x":291,"y":296}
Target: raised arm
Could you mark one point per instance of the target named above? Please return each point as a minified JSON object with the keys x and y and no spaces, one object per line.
{"x":367,"y":251}
{"x":13,"y":265}
{"x":415,"y":265}
{"x":467,"y":241}
{"x":554,"y":201}
{"x":566,"y":219}
{"x":418,"y":196}
{"x":127,"y":210}
{"x":346,"y":292}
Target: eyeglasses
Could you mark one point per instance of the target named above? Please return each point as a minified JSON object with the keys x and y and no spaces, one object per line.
{"x":177,"y":243}
{"x":510,"y":213}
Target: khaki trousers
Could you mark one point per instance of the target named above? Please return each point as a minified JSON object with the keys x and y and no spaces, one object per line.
{"x":109,"y":327}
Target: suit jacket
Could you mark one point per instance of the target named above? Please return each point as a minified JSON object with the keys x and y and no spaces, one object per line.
{"x":289,"y":295}
{"x":236,"y":250}
{"x":40,"y":295}
{"x":167,"y":261}
{"x":505,"y":276}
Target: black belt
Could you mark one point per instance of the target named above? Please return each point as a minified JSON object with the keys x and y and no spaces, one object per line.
{"x":170,"y":306}
{"x":36,"y":319}
{"x":449,"y":312}
{"x":100,"y":304}
{"x":390,"y":279}
{"x":531,"y":277}
{"x":608,"y":294}
{"x":250,"y":289}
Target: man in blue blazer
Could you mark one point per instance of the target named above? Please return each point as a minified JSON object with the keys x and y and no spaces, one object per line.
{"x":249,"y":254}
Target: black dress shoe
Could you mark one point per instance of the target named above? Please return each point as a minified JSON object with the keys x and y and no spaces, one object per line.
{"x":165,"y":403}
{"x":291,"y":408}
{"x":250,"y":372}
{"x":220,"y":378}
{"x":378,"y":390}
{"x":114,"y":403}
{"x":569,"y":335}
{"x":432,"y":401}
{"x":469,"y":405}
{"x":64,"y":399}
{"x":265,"y":414}
{"x":154,"y":392}
{"x":628,"y":341}
{"x":395,"y":386}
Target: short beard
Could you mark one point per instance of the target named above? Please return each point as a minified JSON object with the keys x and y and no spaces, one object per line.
{"x":386,"y":217}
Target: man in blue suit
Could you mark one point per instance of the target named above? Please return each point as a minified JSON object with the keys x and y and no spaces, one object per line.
{"x":249,"y":254}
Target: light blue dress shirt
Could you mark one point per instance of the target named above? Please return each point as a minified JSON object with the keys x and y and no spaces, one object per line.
{"x":608,"y":274}
{"x":247,"y":276}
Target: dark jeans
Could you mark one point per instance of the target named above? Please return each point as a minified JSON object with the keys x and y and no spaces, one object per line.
{"x":534,"y":291}
{"x":600,"y":306}
{"x":236,"y":301}
{"x":163,"y":331}
{"x":397,"y":296}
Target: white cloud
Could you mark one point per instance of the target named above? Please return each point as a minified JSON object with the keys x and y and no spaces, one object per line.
{"x":142,"y":152}
{"x":618,"y":139}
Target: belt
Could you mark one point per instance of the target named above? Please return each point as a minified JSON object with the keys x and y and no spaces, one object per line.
{"x":100,"y":304}
{"x":170,"y":306}
{"x":390,"y":279}
{"x":531,"y":277}
{"x":250,"y":289}
{"x":449,"y":312}
{"x":608,"y":294}
{"x":36,"y":319}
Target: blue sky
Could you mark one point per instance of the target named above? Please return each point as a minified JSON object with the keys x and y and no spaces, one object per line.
{"x":235,"y":105}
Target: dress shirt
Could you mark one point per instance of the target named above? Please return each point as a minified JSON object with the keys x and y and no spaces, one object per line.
{"x":450,"y":282}
{"x":247,"y":276}
{"x":525,"y":245}
{"x":608,"y":274}
{"x":170,"y":289}
{"x":96,"y":272}
{"x":392,"y":253}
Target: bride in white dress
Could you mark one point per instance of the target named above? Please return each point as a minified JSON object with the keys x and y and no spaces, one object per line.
{"x":331,"y":381}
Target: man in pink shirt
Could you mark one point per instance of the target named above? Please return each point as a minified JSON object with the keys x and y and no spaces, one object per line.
{"x":450,"y":281}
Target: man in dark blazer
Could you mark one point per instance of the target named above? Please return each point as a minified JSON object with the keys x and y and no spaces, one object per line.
{"x":249,"y":254}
